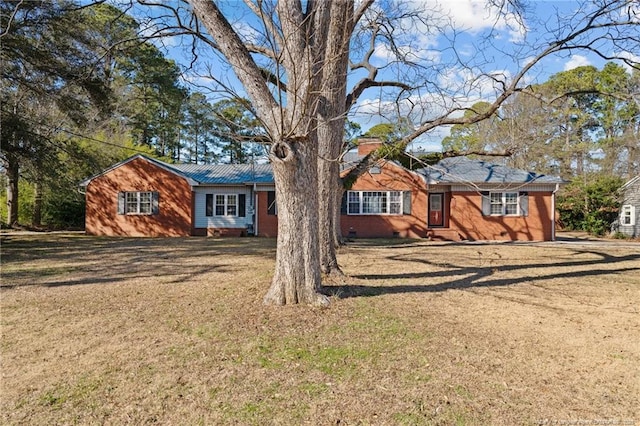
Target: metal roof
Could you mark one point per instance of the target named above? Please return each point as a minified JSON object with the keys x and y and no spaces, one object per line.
{"x":463,"y":169}
{"x":226,"y":174}
{"x":206,"y":174}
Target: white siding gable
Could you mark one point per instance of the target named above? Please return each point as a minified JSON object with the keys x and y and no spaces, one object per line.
{"x":201,"y":220}
{"x":630,"y":208}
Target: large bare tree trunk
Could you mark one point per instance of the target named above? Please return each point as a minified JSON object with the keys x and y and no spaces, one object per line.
{"x":331,"y":123}
{"x":338,"y":239}
{"x":329,"y":213}
{"x":13,"y":175}
{"x":291,"y":126}
{"x":297,"y":272}
{"x":295,"y":160}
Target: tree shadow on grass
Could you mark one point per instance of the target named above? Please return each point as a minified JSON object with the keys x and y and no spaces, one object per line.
{"x":63,"y":260}
{"x":478,"y":277}
{"x":57,"y":277}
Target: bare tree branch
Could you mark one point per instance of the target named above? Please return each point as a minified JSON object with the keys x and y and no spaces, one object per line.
{"x":267,"y":21}
{"x":248,"y":72}
{"x":11,"y":18}
{"x":273,"y":79}
{"x":513,"y":87}
{"x":370,"y":80}
{"x":569,"y":42}
{"x":367,"y":83}
{"x":358,"y":14}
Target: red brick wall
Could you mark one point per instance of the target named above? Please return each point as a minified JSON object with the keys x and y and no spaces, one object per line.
{"x":366,"y":145}
{"x":267,"y":224}
{"x":175,"y":202}
{"x":391,"y":178}
{"x":219,"y":232}
{"x":466,"y":217}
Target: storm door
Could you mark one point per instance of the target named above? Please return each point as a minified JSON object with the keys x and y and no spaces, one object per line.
{"x":436,"y":209}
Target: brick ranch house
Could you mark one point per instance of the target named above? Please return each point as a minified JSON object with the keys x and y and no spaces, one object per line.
{"x":457,"y":199}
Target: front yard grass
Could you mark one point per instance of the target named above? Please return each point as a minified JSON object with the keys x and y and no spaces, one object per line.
{"x":173,"y":331}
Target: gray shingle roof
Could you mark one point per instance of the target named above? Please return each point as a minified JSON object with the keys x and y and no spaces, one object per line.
{"x":350,"y":159}
{"x":463,"y":169}
{"x":226,"y":174}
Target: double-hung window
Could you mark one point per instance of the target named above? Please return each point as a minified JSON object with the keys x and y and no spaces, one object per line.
{"x":138,"y":202}
{"x":627,"y":215}
{"x":510,"y":203}
{"x":374,"y":202}
{"x":496,"y":203}
{"x":354,"y":203}
{"x":225,"y":205}
{"x":504,"y":204}
{"x":395,"y":202}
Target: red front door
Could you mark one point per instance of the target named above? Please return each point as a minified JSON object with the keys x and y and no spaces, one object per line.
{"x":436,"y":204}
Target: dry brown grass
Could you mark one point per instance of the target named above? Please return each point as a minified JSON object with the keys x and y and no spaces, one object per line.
{"x":172,"y":331}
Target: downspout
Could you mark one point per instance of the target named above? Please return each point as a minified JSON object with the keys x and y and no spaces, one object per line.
{"x":553,"y":212}
{"x":254,"y":195}
{"x":193,"y":212}
{"x":255,"y":210}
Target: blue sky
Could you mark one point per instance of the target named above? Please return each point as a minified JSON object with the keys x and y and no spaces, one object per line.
{"x":471,"y":39}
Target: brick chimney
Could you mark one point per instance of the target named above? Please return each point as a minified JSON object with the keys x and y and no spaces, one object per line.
{"x":366,"y":145}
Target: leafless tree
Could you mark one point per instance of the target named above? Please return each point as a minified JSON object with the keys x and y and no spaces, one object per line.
{"x":293,"y":58}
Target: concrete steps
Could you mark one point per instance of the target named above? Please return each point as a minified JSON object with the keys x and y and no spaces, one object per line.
{"x":443,"y":234}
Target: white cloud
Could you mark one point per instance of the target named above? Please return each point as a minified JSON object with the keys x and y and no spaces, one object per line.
{"x":367,"y":108}
{"x":628,"y":56}
{"x":631,"y":12}
{"x":516,"y":28}
{"x":470,"y":87}
{"x":576,"y":61}
{"x":475,"y":16}
{"x":422,"y":108}
{"x":419,"y":40}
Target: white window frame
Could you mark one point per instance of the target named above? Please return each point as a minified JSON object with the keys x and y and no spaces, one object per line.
{"x":138,"y":203}
{"x":354,"y":202}
{"x":628,"y":215}
{"x":501,"y":202}
{"x":228,"y":205}
{"x":375,"y":203}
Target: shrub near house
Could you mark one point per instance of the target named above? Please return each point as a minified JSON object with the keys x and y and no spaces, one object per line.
{"x":590,"y":205}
